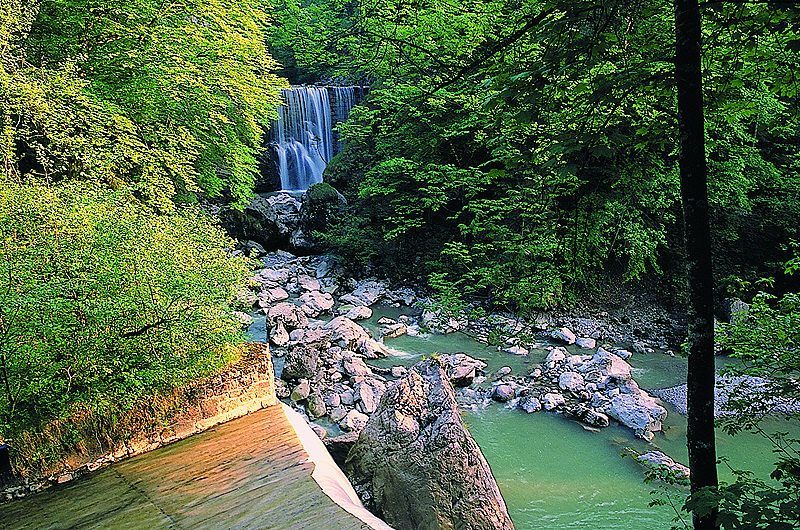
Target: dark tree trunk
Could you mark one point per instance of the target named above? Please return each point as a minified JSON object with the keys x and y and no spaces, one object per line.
{"x":694,"y":192}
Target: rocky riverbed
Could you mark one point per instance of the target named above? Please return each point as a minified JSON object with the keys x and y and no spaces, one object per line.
{"x":312,"y":311}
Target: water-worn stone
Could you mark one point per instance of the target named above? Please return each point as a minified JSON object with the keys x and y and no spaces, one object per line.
{"x":359,"y":312}
{"x":461,"y":368}
{"x":640,"y":412}
{"x":570,"y":381}
{"x":371,"y":349}
{"x":368,"y":392}
{"x":516,"y":350}
{"x":269,"y":296}
{"x":353,"y":421}
{"x":366,"y":293}
{"x":589,"y":416}
{"x":355,"y":366}
{"x":315,"y":406}
{"x":503,"y":393}
{"x":346,"y":333}
{"x":440,"y":322}
{"x":279,"y":336}
{"x":315,"y":303}
{"x":415,"y":464}
{"x":530,"y":404}
{"x":301,"y":391}
{"x":398,"y":371}
{"x":556,"y":355}
{"x":586,"y":342}
{"x":307,"y":283}
{"x":551,"y":400}
{"x":564,"y":335}
{"x":291,"y":315}
{"x":301,"y":363}
{"x":394,"y":330}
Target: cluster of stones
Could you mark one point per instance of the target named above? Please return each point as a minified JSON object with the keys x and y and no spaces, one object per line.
{"x":591,"y":388}
{"x":324,"y":368}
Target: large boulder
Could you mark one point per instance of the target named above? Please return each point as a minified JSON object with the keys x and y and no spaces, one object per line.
{"x":301,"y":362}
{"x":290,"y":315}
{"x":321,"y":206}
{"x":366,"y":293}
{"x":461,"y":368}
{"x":315,"y":302}
{"x":415,"y":464}
{"x":346,"y":333}
{"x":268,"y":221}
{"x":639,"y":411}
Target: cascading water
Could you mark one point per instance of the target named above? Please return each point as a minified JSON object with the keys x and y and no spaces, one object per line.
{"x":303,"y":136}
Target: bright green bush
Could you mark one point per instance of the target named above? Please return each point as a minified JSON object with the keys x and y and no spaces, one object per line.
{"x":103,"y":302}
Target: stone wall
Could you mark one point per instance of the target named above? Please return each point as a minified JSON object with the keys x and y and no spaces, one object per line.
{"x":244,"y":386}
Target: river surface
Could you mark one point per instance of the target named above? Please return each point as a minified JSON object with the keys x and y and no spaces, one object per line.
{"x":555,"y":474}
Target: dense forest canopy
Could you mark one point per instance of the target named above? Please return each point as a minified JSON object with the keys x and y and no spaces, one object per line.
{"x":532,"y":145}
{"x":114,"y":118}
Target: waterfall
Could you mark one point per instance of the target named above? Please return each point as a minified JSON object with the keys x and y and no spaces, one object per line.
{"x":303,"y":138}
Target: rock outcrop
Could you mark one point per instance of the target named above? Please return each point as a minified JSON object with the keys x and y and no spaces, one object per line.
{"x":415,"y":464}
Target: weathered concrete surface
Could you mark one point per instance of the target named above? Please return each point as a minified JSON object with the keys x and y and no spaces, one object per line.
{"x":253,"y":472}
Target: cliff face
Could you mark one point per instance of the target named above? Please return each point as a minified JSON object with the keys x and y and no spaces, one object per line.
{"x":416,"y":466}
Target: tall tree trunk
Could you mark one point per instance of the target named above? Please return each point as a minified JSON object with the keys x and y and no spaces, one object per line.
{"x":694,"y":192}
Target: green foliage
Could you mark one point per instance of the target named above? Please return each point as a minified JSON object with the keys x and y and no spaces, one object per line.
{"x":558,"y":119}
{"x":168,"y":98}
{"x":103,"y":302}
{"x":766,"y":340}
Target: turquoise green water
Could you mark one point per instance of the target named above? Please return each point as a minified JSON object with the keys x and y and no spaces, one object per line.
{"x":555,"y":474}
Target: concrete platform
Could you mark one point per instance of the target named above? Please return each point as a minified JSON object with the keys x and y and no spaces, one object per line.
{"x":252,"y":472}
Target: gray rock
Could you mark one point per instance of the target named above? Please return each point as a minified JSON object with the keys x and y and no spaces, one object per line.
{"x":461,"y":368}
{"x":570,"y":381}
{"x":530,"y":404}
{"x":417,"y":466}
{"x":353,"y":421}
{"x":368,"y":392}
{"x":623,"y":354}
{"x":556,"y":355}
{"x":503,"y":393}
{"x":289,"y":314}
{"x":301,"y":363}
{"x":278,"y":336}
{"x":584,"y":342}
{"x":307,"y":283}
{"x":589,"y":416}
{"x":269,"y":296}
{"x":440,"y":322}
{"x":360,"y":312}
{"x":371,"y":349}
{"x":337,"y":414}
{"x":552,"y":400}
{"x":399,"y":371}
{"x":355,"y":366}
{"x":315,"y":406}
{"x":640,"y":412}
{"x":516,"y":350}
{"x":657,"y":458}
{"x":394,"y":330}
{"x":346,"y":333}
{"x":315,"y":303}
{"x":564,"y":335}
{"x":366,"y":293}
{"x":301,"y":391}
